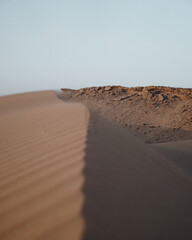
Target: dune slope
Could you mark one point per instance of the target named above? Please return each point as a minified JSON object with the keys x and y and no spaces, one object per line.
{"x":132,"y":190}
{"x":67,"y":173}
{"x":42,"y":150}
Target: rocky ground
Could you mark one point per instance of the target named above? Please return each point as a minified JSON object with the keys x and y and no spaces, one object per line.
{"x":155,"y":113}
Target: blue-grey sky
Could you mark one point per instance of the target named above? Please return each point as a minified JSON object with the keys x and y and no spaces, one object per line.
{"x":49,"y":44}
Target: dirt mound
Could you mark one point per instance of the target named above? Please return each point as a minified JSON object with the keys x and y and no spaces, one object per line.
{"x":155,"y":113}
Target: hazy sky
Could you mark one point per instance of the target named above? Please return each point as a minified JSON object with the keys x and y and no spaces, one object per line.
{"x":49,"y":44}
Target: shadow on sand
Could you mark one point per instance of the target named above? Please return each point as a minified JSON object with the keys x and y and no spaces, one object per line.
{"x":131,"y":190}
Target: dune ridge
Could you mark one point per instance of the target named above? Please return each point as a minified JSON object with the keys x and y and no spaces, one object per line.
{"x":68,"y":173}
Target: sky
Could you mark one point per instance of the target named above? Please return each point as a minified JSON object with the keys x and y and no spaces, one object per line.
{"x":53,"y":44}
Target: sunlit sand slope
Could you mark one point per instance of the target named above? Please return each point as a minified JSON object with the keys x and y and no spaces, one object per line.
{"x":41,"y":160}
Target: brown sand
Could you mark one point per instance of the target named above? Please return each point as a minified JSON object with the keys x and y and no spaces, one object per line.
{"x":66,"y":173}
{"x":185,"y":145}
{"x":180,"y":153}
{"x":42,"y":151}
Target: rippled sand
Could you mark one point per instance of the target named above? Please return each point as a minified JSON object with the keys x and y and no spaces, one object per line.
{"x":66,"y":173}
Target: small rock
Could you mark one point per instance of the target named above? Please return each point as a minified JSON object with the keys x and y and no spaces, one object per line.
{"x":162,"y":97}
{"x":156,"y":92}
{"x":123,"y":98}
{"x":97,"y":88}
{"x":91,"y":89}
{"x":123,"y":90}
{"x":81,"y":92}
{"x":100,"y":91}
{"x":146,"y":94}
{"x":108,"y":88}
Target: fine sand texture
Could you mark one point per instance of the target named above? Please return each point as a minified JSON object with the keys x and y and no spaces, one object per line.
{"x":66,"y":173}
{"x":42,"y":150}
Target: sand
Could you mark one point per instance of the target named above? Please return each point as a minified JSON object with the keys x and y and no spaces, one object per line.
{"x":67,"y":173}
{"x":42,"y":151}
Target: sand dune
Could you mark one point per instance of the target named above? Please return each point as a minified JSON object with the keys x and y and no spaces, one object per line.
{"x":133,"y":191}
{"x":180,"y":153}
{"x":179,"y":145}
{"x":66,"y":173}
{"x":42,"y":151}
